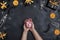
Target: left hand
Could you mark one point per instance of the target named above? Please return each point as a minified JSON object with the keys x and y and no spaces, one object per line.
{"x":25,"y":28}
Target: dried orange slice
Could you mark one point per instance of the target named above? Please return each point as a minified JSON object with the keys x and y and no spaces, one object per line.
{"x":56,"y":32}
{"x":15,"y":2}
{"x":52,"y":15}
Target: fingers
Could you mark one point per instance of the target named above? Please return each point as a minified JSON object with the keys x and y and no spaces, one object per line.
{"x":24,"y":25}
{"x":25,"y":28}
{"x":28,"y":24}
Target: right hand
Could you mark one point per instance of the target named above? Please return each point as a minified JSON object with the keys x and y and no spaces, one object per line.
{"x":32,"y":28}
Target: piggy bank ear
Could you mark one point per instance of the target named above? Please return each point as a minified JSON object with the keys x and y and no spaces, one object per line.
{"x":30,"y":19}
{"x":25,"y":21}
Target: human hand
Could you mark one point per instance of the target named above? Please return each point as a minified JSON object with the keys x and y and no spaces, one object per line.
{"x":25,"y":28}
{"x":29,"y":24}
{"x":32,"y":27}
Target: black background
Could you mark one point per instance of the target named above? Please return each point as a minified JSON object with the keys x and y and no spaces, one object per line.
{"x":17,"y":15}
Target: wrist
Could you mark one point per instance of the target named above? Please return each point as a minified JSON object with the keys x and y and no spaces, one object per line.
{"x":25,"y":31}
{"x":33,"y":30}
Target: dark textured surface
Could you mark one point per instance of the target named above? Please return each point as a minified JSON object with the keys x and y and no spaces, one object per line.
{"x":17,"y":15}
